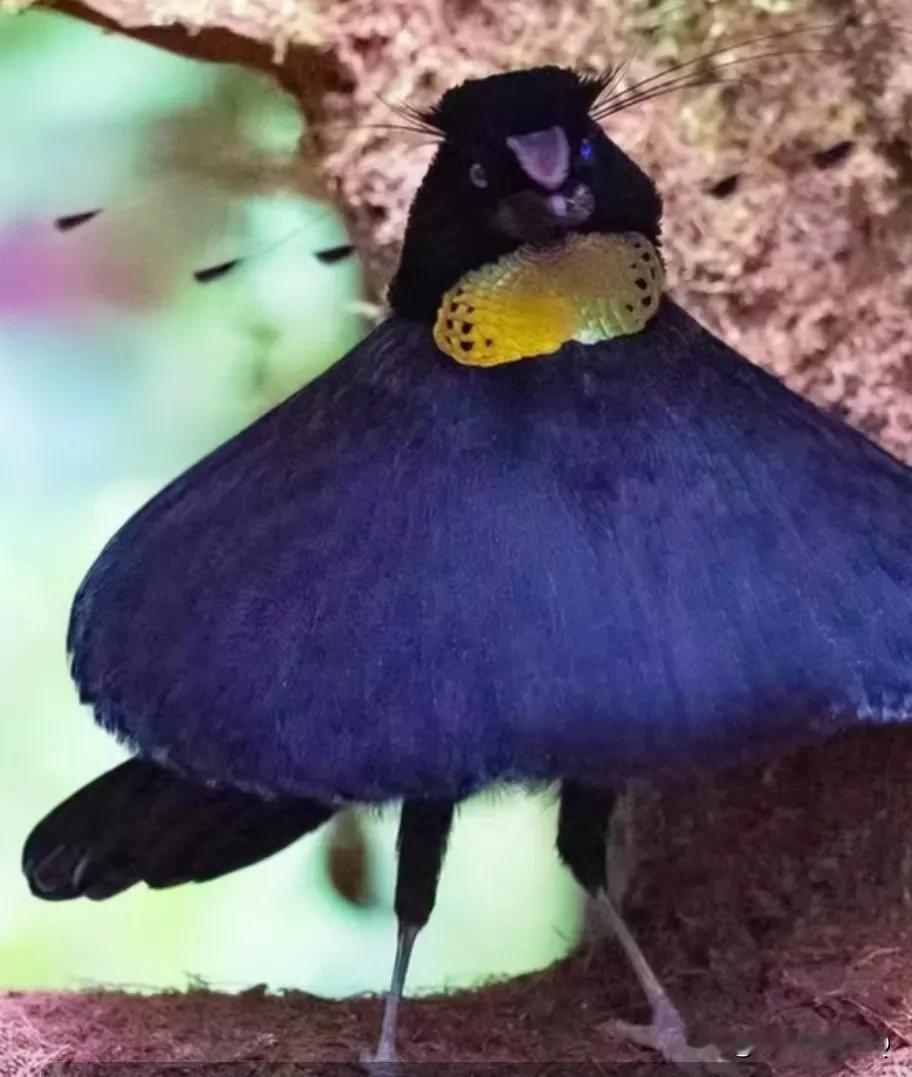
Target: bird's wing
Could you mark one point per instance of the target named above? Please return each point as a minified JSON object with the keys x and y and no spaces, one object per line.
{"x":413,"y":578}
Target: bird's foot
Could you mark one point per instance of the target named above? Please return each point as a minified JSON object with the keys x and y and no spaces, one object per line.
{"x":667,"y":1035}
{"x":380,"y":1063}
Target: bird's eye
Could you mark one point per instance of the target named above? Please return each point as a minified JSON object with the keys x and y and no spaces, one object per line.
{"x":587,"y":150}
{"x":478,"y":176}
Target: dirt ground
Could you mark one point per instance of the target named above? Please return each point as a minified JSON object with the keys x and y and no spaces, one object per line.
{"x":776,"y":904}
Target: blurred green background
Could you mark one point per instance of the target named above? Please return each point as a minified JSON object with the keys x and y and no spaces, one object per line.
{"x":117,"y":370}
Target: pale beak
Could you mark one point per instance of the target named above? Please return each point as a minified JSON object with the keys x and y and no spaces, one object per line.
{"x":557,"y":203}
{"x":544,"y":156}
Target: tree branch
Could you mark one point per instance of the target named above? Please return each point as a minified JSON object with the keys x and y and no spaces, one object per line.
{"x":278,"y":39}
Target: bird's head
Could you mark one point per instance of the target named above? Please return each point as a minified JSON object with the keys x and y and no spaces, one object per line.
{"x":520,"y":161}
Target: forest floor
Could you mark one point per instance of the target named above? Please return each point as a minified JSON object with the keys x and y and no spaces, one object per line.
{"x":776,"y":905}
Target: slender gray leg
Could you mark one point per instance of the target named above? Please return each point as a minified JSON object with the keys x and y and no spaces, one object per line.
{"x":386,"y":1048}
{"x":621,"y":858}
{"x":666,"y":1032}
{"x":423,"y":831}
{"x":581,"y":842}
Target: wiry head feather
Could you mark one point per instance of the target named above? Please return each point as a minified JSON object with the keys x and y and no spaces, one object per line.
{"x":515,"y":102}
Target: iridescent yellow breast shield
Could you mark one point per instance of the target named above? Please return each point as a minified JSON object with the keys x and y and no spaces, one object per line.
{"x":530,"y":302}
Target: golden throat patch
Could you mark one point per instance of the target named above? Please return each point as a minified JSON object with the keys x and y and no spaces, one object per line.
{"x":589,"y":288}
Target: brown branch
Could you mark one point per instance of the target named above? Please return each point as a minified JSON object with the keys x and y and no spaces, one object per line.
{"x":261,"y":35}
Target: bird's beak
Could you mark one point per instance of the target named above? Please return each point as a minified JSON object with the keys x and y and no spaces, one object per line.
{"x":556,"y":203}
{"x":544,"y":156}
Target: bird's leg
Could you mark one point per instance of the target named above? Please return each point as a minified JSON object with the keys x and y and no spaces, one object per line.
{"x":384,"y":1060}
{"x":620,"y":857}
{"x":583,"y":822}
{"x":424,"y":827}
{"x":666,"y":1032}
{"x":582,"y":826}
{"x":620,"y":863}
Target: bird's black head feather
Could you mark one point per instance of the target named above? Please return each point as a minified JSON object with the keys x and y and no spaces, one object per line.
{"x":482,"y":196}
{"x":514,"y":103}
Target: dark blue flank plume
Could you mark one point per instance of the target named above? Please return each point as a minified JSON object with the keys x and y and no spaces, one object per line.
{"x":415,"y":578}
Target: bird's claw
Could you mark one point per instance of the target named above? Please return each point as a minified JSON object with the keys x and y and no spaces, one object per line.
{"x":667,"y":1035}
{"x":380,"y":1063}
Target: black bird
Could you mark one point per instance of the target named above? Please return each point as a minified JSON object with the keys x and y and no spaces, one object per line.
{"x":637,"y":555}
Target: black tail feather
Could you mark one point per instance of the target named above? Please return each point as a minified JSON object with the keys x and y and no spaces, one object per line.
{"x":142,"y":823}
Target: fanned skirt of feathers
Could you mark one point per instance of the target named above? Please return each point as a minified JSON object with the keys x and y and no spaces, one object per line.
{"x":416,"y":578}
